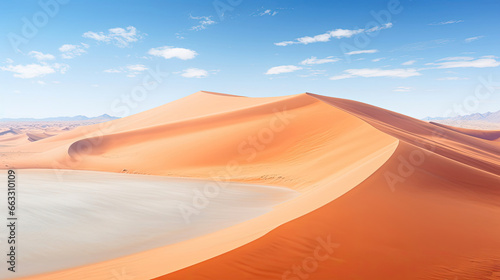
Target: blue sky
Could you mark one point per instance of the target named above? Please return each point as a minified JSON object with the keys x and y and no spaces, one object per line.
{"x":420,"y":58}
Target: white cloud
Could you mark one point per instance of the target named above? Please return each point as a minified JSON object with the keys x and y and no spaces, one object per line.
{"x":130,"y":70}
{"x":9,"y":61}
{"x":464,"y":62}
{"x":337,"y":33}
{"x":282,"y":69}
{"x":452,"y":79}
{"x":456,"y":58}
{"x":137,"y":68}
{"x":268,"y":13}
{"x":41,"y":83}
{"x":285,"y":43}
{"x":468,"y":40}
{"x":203,"y":22}
{"x":194,"y":73}
{"x":41,"y":56}
{"x":377,"y":72}
{"x":409,"y":62}
{"x":61,"y":67}
{"x":446,"y":22}
{"x":168,"y":52}
{"x":34,"y":70}
{"x":378,"y":59}
{"x":402,"y":89}
{"x":112,"y":71}
{"x":118,"y":36}
{"x":70,"y":51}
{"x":361,"y":52}
{"x":315,"y":60}
{"x":313,"y":73}
{"x":419,"y":46}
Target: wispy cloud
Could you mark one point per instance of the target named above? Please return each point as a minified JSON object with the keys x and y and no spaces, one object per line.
{"x":71,"y":51}
{"x":194,"y":73}
{"x":471,"y":39}
{"x":130,"y":70}
{"x":446,"y":22}
{"x":452,"y":79}
{"x":465,"y":62}
{"x":113,"y":70}
{"x":204,"y":21}
{"x":419,"y":46}
{"x":35,"y":70}
{"x":118,"y":36}
{"x":268,"y":12}
{"x":456,"y":58}
{"x":41,"y":56}
{"x":402,"y":89}
{"x":282,"y":69}
{"x":168,"y":52}
{"x":377,"y":72}
{"x":409,"y":62}
{"x":361,"y":52}
{"x":378,"y":59}
{"x":313,"y":73}
{"x":314,"y":60}
{"x":337,"y":34}
{"x":137,"y":67}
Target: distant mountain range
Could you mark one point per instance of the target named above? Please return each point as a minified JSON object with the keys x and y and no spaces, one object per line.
{"x":101,"y":118}
{"x":493,"y":117}
{"x":486,"y":121}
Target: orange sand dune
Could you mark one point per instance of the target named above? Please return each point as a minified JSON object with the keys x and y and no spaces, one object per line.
{"x":13,"y":139}
{"x":20,"y":133}
{"x":383,"y":196}
{"x":440,"y":223}
{"x":472,"y":151}
{"x":38,"y":136}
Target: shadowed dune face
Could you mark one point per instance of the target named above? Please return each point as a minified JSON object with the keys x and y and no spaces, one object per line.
{"x":491,"y":135}
{"x":383,"y":196}
{"x":38,"y":136}
{"x":440,"y":223}
{"x":451,"y":143}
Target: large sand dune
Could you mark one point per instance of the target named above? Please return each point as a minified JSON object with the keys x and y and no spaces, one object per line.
{"x":392,"y":197}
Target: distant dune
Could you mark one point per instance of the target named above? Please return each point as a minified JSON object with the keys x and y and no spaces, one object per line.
{"x":104,"y":117}
{"x":382,"y":195}
{"x":486,"y":121}
{"x":31,"y":130}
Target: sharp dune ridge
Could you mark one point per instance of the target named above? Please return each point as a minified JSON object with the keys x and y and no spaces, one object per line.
{"x":401,"y":198}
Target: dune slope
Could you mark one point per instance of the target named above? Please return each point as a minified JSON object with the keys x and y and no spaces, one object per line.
{"x":383,"y":195}
{"x":295,"y":141}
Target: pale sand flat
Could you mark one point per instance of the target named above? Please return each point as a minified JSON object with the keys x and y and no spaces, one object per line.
{"x":73,"y":218}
